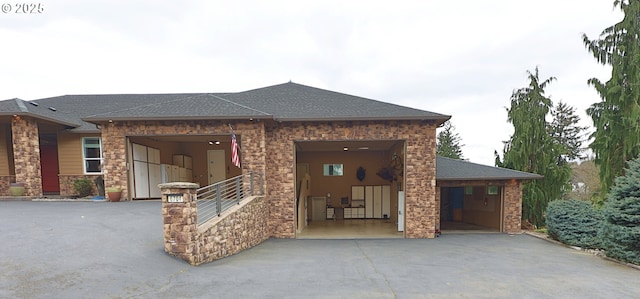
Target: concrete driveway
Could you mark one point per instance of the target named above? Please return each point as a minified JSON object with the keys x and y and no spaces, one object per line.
{"x":114,"y":250}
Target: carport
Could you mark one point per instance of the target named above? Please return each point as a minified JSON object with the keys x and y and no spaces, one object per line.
{"x":477,"y":198}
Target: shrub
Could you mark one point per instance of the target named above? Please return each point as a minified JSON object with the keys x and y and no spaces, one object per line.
{"x":83,"y":187}
{"x":621,"y":227}
{"x":574,"y":222}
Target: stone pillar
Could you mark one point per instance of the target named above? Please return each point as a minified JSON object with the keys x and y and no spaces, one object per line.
{"x":513,"y":207}
{"x":26,"y":153}
{"x":180,"y":219}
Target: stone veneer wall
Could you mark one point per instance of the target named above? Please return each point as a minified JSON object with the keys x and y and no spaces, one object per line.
{"x":241,"y":227}
{"x":420,"y":168}
{"x":513,"y":207}
{"x":251,"y":137}
{"x":5,"y":182}
{"x":26,"y":153}
{"x":237,"y":229}
{"x":66,"y":184}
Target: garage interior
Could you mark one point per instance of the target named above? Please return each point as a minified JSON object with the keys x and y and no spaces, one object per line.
{"x":471,"y":209}
{"x":349,"y":189}
{"x":201,"y":159}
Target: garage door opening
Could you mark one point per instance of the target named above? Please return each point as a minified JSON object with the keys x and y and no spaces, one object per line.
{"x":471,"y":209}
{"x":349,"y":189}
{"x":201,"y":159}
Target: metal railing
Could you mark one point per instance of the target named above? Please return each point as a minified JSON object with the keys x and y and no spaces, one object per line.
{"x":215,"y":199}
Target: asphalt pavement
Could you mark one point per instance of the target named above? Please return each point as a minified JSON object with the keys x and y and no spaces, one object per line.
{"x":115,"y":250}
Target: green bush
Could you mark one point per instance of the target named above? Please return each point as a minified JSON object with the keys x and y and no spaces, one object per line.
{"x":621,"y":227}
{"x":83,"y":187}
{"x":574,"y":222}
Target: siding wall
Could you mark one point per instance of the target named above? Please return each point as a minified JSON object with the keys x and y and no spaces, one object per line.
{"x":6,"y":162}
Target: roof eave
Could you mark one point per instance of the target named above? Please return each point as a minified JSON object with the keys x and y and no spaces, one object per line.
{"x":532,"y":177}
{"x":38,"y":116}
{"x":438,"y":119}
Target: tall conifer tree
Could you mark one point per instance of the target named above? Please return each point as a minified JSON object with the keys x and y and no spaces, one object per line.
{"x":532,"y":148}
{"x":448,"y":144}
{"x":616,"y":117}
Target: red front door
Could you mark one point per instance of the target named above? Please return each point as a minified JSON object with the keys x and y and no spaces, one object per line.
{"x":49,"y":168}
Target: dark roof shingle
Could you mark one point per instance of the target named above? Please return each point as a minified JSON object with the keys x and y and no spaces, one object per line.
{"x":282,"y":102}
{"x":460,"y":170}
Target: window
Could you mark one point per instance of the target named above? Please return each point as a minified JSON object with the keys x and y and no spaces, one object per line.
{"x":92,"y":154}
{"x":492,"y":190}
{"x":468,"y":190}
{"x":333,"y":170}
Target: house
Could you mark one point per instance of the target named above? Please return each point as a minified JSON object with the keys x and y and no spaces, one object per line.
{"x":368,"y":158}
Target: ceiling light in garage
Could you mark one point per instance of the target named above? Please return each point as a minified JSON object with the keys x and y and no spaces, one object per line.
{"x":345,"y":148}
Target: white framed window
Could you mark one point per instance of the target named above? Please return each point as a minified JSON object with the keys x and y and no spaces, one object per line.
{"x":332,"y":169}
{"x":92,"y":155}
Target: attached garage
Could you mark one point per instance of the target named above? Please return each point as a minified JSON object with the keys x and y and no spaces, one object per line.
{"x":475,"y":197}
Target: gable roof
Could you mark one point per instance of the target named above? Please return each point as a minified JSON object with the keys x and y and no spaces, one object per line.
{"x":460,"y":170}
{"x":283,"y":102}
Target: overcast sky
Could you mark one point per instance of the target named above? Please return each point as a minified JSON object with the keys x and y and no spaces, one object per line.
{"x":461,"y":58}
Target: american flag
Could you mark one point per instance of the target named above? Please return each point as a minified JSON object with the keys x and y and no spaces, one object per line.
{"x":235,"y":159}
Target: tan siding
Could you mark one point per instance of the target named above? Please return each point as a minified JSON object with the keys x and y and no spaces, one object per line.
{"x":4,"y":150}
{"x":70,"y":153}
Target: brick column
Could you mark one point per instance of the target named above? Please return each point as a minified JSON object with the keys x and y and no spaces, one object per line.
{"x":26,"y":153}
{"x":180,"y":219}
{"x":513,"y":207}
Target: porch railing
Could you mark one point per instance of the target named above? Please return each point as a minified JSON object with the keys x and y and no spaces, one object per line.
{"x":215,"y":199}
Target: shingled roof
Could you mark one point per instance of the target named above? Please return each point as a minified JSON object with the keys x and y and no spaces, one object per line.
{"x":284,"y":102}
{"x":460,"y":170}
{"x":296,"y":102}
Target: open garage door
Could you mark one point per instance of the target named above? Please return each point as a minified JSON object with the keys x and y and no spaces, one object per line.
{"x":154,"y":159}
{"x":471,"y":209}
{"x":353,"y":189}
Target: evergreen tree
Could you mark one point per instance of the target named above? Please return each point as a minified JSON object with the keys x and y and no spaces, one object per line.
{"x":621,"y":228}
{"x":531,"y":148}
{"x":617,"y":116}
{"x":448,"y":143}
{"x":566,"y":132}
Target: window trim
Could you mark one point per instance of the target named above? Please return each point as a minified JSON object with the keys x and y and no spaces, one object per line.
{"x":85,"y":159}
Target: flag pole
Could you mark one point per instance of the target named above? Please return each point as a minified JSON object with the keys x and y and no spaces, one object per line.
{"x":235,"y":149}
{"x":231,"y":128}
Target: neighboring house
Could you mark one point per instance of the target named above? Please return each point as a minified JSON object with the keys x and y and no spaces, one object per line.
{"x":135,"y":141}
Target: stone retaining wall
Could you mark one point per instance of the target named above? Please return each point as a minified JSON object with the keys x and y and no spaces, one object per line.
{"x":238,"y":228}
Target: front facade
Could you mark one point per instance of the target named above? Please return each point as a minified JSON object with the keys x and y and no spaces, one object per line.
{"x":137,"y":141}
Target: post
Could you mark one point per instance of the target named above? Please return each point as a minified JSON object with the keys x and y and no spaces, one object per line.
{"x":251,"y":184}
{"x":180,"y":220}
{"x":218,"y":199}
{"x":238,"y":191}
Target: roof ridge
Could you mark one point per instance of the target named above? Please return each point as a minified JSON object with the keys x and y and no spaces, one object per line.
{"x":234,"y":103}
{"x":152,"y":104}
{"x":21,"y":105}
